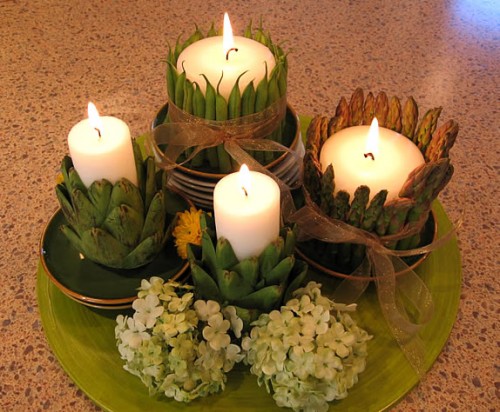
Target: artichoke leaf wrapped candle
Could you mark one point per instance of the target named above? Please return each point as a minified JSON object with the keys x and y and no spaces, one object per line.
{"x":244,"y":258}
{"x":114,"y":201}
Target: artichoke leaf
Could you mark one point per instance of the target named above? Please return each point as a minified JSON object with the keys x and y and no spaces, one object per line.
{"x":155,"y":218}
{"x":126,"y":193}
{"x":297,"y":276}
{"x":249,"y":268}
{"x":233,"y":285}
{"x":85,"y":210}
{"x":208,"y":256}
{"x":193,"y":252}
{"x":144,"y":252}
{"x":66,"y":206}
{"x":103,"y":247}
{"x":75,"y":182}
{"x":290,"y":237}
{"x":260,"y":284}
{"x":72,"y":236}
{"x":265,"y":299}
{"x":269,"y":258}
{"x":125,"y":225}
{"x":279,"y":274}
{"x":224,"y":254}
{"x":66,"y":165}
{"x":206,"y":288}
{"x":99,"y":194}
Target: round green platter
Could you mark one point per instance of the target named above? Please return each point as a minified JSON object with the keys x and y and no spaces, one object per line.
{"x":83,"y":340}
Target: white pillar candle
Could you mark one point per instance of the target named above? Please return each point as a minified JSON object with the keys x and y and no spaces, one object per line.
{"x":213,"y":56}
{"x":358,"y":159}
{"x":247,"y":211}
{"x":101,"y":148}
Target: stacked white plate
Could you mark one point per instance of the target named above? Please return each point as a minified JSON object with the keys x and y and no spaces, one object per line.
{"x":199,"y":186}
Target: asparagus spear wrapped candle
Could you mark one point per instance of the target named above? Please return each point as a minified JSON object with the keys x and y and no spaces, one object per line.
{"x":377,"y":209}
{"x":372,"y":156}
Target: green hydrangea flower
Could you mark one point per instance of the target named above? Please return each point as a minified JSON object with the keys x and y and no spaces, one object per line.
{"x":308,"y":353}
{"x":175,"y":345}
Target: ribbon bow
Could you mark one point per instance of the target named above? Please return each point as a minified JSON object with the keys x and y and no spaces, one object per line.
{"x":405,"y":300}
{"x":185,"y":131}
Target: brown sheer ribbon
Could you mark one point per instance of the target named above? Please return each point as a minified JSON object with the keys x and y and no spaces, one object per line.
{"x":404,"y":299}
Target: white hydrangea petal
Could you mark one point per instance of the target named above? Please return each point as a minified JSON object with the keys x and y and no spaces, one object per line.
{"x":213,"y":307}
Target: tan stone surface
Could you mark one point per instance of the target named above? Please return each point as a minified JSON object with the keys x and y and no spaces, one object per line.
{"x":56,"y":55}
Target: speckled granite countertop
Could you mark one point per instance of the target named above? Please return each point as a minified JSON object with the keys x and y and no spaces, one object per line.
{"x":56,"y":55}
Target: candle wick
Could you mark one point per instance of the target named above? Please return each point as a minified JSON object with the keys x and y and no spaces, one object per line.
{"x":244,"y":191}
{"x":230,"y":50}
{"x":370,"y":154}
{"x":98,"y":132}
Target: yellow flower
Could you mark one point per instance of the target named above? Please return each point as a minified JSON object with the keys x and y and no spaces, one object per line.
{"x":187,"y":230}
{"x":59,"y":179}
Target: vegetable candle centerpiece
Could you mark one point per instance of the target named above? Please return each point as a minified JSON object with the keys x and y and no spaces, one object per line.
{"x":368,"y":155}
{"x":101,"y":148}
{"x":247,"y":211}
{"x":225,"y":58}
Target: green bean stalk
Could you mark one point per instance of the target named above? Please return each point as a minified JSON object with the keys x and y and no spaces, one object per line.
{"x":255,"y":98}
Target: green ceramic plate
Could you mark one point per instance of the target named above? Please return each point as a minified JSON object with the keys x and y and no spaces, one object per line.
{"x":96,"y":285}
{"x":83,"y":341}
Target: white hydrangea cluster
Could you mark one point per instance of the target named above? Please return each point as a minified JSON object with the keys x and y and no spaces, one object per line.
{"x":309,"y":352}
{"x":176,"y":345}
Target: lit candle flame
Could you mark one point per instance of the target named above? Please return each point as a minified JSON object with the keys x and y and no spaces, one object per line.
{"x":227,"y":35}
{"x":94,"y":119}
{"x":245,"y":180}
{"x":372,"y":140}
